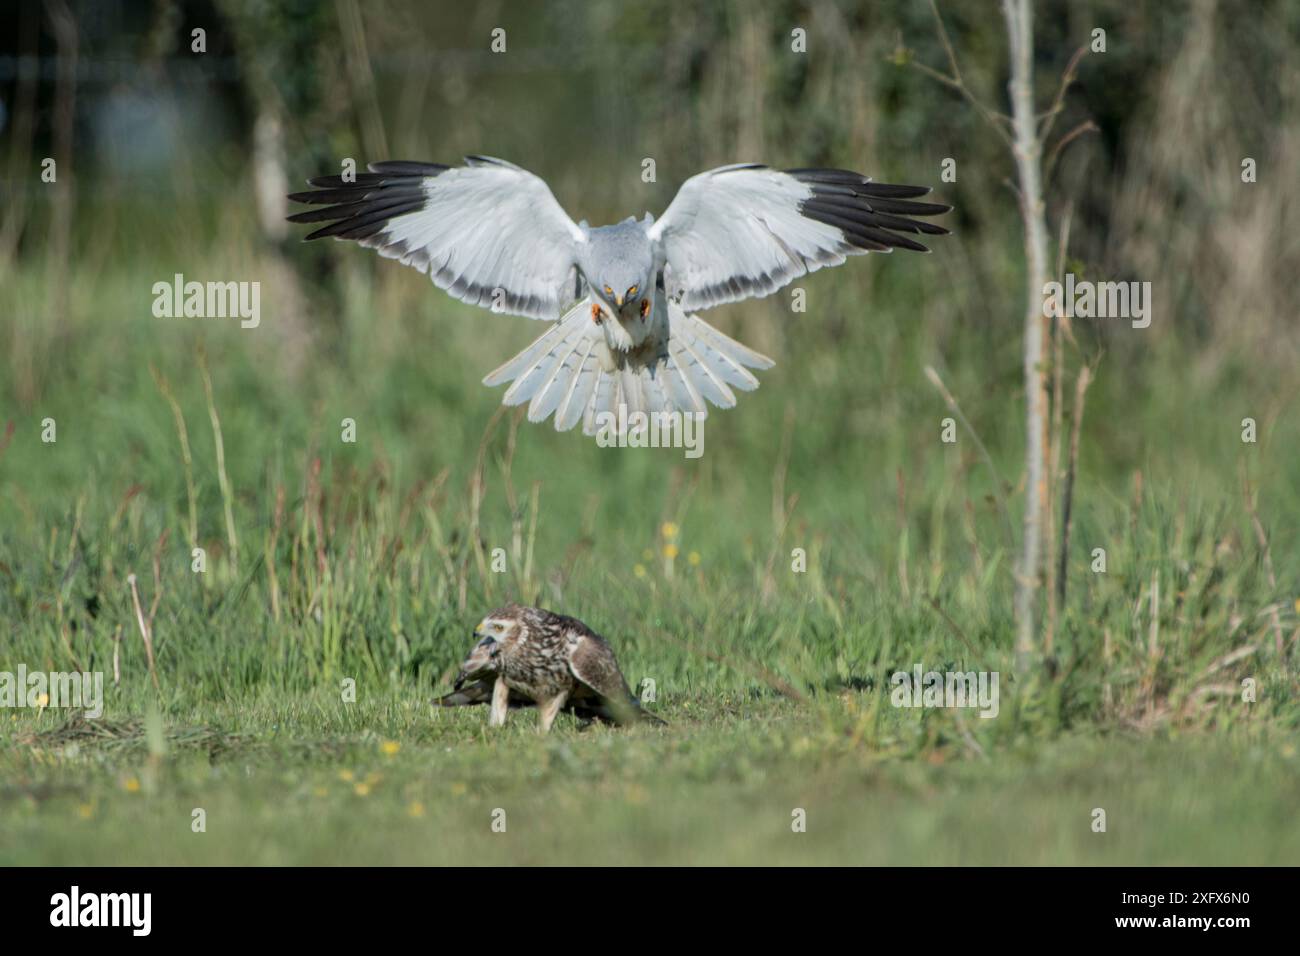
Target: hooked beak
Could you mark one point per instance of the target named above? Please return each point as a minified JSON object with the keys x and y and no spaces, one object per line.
{"x":618,"y":301}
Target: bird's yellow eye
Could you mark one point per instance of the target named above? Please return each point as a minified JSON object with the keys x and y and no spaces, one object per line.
{"x":631,"y":292}
{"x":608,"y":291}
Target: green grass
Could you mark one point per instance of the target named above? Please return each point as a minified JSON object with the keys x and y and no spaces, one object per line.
{"x":370,"y":562}
{"x":308,"y":781}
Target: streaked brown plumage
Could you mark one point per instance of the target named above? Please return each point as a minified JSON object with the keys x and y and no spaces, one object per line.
{"x":527,"y":655}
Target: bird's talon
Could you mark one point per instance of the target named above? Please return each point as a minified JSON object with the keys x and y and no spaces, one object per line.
{"x":595,"y":313}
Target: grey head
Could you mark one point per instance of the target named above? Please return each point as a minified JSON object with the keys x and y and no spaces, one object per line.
{"x":618,"y":263}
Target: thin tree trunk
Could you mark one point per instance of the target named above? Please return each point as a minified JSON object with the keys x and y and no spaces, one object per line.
{"x":1028,"y":153}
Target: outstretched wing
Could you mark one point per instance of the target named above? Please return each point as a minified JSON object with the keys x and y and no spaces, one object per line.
{"x":747,"y":230}
{"x":488,"y":232}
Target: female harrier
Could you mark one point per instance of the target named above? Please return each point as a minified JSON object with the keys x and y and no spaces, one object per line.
{"x":526,"y":655}
{"x":621,"y":296}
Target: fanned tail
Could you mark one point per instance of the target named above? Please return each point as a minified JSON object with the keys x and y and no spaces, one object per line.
{"x":572,"y":373}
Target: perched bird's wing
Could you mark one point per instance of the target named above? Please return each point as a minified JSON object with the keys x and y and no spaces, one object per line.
{"x":747,"y":230}
{"x":592,"y":662}
{"x":601,"y":709}
{"x":488,"y":232}
{"x":479,"y":692}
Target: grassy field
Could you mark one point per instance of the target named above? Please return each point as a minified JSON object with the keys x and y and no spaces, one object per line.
{"x":304,"y":781}
{"x":329,"y":561}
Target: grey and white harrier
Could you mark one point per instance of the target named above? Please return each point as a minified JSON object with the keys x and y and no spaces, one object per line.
{"x":622,"y":297}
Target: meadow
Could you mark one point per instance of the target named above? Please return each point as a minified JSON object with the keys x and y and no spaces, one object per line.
{"x":370,"y":561}
{"x":827,"y":538}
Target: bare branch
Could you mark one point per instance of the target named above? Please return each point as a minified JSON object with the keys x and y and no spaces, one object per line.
{"x":1087,"y":126}
{"x":998,"y":483}
{"x":1067,"y":495}
{"x":1058,"y":102}
{"x":1000,"y":122}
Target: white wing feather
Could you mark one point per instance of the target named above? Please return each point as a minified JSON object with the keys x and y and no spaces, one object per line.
{"x":736,"y":232}
{"x":747,"y":230}
{"x":489,"y":233}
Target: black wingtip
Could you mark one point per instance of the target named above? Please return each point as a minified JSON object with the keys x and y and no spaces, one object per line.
{"x":875,"y":217}
{"x":362,"y":204}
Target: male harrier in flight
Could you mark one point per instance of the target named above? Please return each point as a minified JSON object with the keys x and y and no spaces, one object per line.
{"x":527,"y":655}
{"x":622,"y":297}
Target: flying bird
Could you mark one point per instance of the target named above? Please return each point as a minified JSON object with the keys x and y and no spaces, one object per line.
{"x":623,"y":297}
{"x":527,"y":655}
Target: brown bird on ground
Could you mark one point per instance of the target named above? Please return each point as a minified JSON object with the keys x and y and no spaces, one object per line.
{"x":527,"y":655}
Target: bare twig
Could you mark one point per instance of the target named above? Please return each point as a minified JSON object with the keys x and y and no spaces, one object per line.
{"x":1153,"y":640}
{"x":999,"y":122}
{"x":999,"y":484}
{"x":477,"y":489}
{"x":1067,"y":495}
{"x":277,"y":520}
{"x":782,"y":507}
{"x":1262,"y":539}
{"x":222,"y":479}
{"x":1058,"y":102}
{"x":1057,"y":323}
{"x":953,"y":626}
{"x":145,"y":633}
{"x":903,"y":537}
{"x":186,"y":459}
{"x":1087,"y":126}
